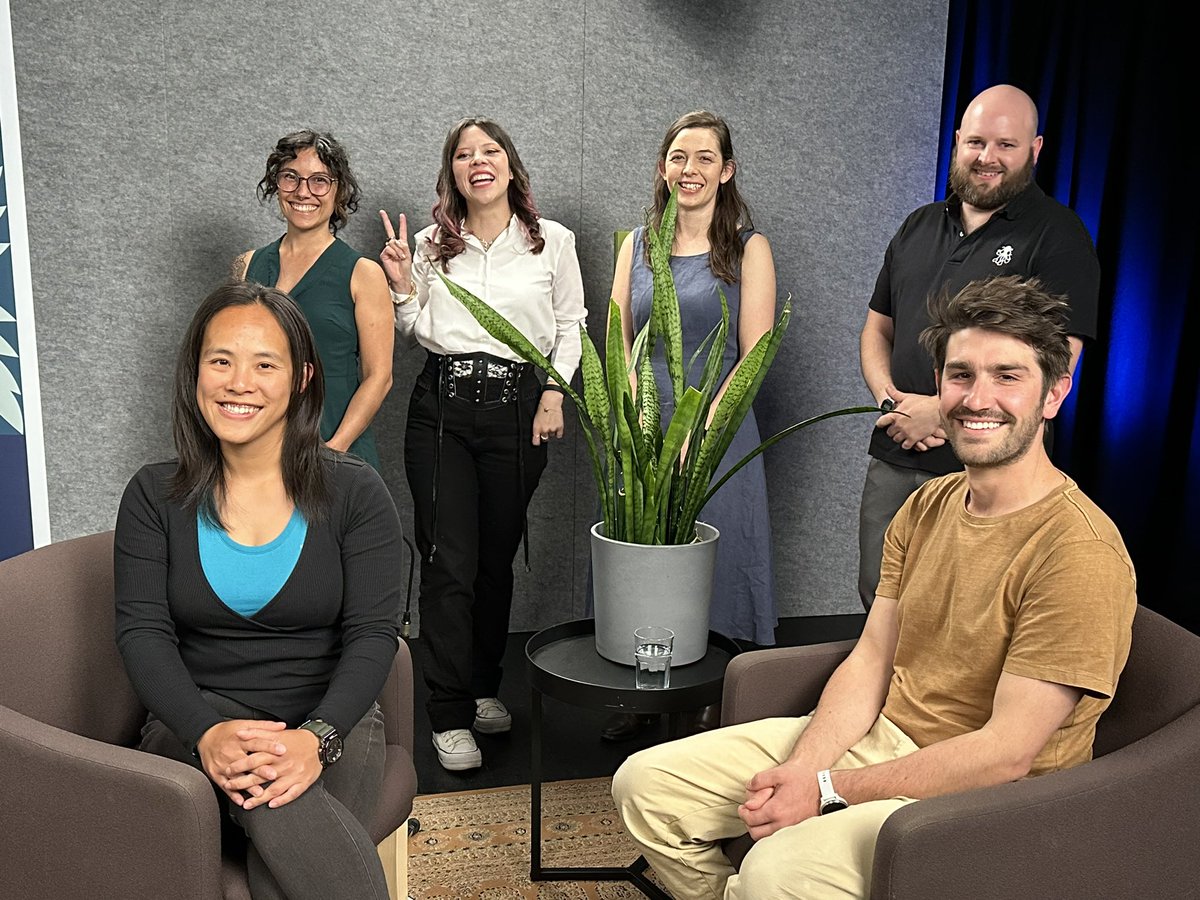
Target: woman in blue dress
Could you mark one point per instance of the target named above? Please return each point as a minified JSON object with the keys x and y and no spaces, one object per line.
{"x":715,"y":246}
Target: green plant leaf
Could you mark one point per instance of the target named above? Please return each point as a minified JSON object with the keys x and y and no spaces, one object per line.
{"x":639,"y":350}
{"x":502,"y":330}
{"x":595,"y":397}
{"x":730,"y":412}
{"x":743,"y":387}
{"x":779,"y":436}
{"x":648,"y":494}
{"x":688,"y":412}
{"x":664,"y":310}
{"x":618,"y":395}
{"x":649,"y":409}
{"x":708,"y":341}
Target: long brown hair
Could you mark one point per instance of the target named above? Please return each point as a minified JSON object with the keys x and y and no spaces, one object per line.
{"x":732,"y":215}
{"x":451,"y":207}
{"x":201,"y":475}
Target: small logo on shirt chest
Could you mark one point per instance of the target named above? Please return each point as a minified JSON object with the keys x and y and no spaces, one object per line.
{"x":1004,"y":255}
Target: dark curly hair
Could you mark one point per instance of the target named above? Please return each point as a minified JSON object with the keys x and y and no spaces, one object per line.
{"x":332,"y":154}
{"x":451,"y":207}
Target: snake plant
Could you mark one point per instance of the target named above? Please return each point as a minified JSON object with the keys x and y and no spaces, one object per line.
{"x":653,"y":480}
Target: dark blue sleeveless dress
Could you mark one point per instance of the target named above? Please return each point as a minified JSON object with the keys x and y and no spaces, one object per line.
{"x":743,"y":602}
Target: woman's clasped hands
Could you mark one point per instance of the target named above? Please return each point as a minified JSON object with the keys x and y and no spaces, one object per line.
{"x":259,"y":762}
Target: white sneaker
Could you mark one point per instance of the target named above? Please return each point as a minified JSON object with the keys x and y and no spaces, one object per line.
{"x":491,"y":716}
{"x":456,"y":749}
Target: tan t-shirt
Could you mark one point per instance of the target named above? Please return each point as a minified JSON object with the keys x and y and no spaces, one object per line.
{"x":1046,"y":592}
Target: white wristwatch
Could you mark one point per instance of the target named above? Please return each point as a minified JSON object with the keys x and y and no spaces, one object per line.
{"x":831,"y":800}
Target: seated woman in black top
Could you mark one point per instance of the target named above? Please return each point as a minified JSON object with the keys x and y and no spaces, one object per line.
{"x":257,"y":596}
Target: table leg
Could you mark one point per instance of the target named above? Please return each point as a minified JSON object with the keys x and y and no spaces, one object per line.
{"x":676,"y":725}
{"x":535,"y":788}
{"x":634,"y":874}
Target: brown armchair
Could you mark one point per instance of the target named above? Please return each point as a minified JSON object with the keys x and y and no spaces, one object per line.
{"x":82,"y":814}
{"x":1126,"y":824}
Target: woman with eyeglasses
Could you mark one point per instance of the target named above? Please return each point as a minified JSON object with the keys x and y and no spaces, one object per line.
{"x":343,"y":295}
{"x":479,"y":418}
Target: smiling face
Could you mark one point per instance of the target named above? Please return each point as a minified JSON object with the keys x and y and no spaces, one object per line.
{"x":992,"y":397}
{"x":244,"y":380}
{"x":481,"y":169}
{"x":694,"y":162}
{"x":303,"y":209}
{"x":995,"y":149}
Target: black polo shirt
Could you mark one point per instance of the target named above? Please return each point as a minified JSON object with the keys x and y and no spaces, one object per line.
{"x":1032,"y":235}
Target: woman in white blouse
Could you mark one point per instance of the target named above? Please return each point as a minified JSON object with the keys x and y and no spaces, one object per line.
{"x":479,"y":419}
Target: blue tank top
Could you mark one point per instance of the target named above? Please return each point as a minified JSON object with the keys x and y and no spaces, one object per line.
{"x":247,"y":578}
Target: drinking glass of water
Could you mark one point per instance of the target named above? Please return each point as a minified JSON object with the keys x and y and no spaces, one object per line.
{"x":652,"y":648}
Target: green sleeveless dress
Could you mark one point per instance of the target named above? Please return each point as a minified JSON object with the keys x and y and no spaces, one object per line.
{"x":323,"y":294}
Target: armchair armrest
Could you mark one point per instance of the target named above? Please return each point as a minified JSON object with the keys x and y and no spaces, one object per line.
{"x":781,"y":681}
{"x":1108,"y":828}
{"x":82,"y":818}
{"x":396,"y":700}
{"x":394,"y":801}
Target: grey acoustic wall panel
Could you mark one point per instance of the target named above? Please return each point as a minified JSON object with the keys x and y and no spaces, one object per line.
{"x":146,"y":127}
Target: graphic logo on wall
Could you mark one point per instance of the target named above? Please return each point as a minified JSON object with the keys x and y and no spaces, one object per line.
{"x":24,"y":514}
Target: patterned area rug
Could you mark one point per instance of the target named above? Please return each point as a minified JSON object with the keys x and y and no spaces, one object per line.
{"x":475,"y":844}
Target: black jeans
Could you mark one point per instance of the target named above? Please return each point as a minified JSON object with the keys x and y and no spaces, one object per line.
{"x":487,"y":470}
{"x":315,"y":847}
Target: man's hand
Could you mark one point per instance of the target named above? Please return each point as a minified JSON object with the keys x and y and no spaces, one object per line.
{"x":779,"y":797}
{"x":920,"y":426}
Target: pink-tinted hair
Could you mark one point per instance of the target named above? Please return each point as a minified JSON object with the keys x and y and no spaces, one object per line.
{"x":451,"y":207}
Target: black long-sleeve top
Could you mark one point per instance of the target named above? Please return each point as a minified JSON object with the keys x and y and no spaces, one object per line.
{"x":320,"y":648}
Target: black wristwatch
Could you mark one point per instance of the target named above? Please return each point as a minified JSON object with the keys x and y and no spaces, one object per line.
{"x":831,"y":800}
{"x":329,"y":747}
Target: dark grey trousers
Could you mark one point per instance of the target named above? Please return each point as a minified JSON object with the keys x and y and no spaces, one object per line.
{"x":315,"y":847}
{"x":884,"y":492}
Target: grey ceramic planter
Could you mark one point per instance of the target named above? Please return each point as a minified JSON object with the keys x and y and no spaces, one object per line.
{"x":651,"y":584}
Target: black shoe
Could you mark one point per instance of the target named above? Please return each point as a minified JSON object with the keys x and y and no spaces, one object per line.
{"x":705,"y":719}
{"x":624,"y":726}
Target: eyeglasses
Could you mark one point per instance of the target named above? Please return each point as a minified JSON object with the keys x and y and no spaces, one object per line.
{"x":318,"y":185}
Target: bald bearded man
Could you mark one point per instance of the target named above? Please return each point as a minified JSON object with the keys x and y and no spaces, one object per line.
{"x":995,"y":222}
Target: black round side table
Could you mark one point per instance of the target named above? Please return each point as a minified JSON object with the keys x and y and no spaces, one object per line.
{"x":562,"y":663}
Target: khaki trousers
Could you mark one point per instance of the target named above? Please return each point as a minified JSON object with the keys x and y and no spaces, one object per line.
{"x":679,"y":800}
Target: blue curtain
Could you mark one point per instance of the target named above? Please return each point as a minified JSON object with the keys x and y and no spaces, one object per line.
{"x":1117,"y":150}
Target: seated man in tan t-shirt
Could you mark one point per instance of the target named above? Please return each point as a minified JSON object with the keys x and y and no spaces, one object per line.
{"x":1000,"y":625}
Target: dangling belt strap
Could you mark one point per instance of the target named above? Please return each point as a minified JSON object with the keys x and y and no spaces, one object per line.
{"x":522,"y":436}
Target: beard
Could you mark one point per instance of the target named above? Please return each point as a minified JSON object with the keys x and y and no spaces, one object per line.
{"x":1022,"y":434}
{"x":983,"y":197}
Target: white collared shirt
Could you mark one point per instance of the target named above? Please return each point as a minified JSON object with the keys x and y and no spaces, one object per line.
{"x":541,"y":294}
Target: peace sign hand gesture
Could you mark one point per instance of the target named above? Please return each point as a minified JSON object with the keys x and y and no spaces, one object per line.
{"x":395,"y":257}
